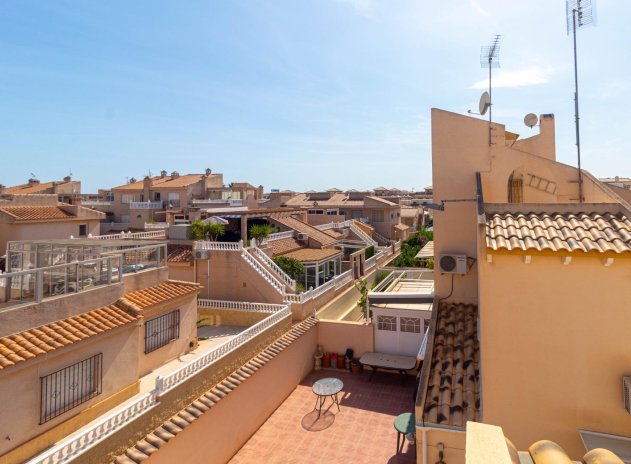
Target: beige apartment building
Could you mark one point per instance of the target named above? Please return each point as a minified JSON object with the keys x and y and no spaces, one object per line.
{"x":383,"y":215}
{"x":38,"y":217}
{"x":171,"y":197}
{"x":67,"y":190}
{"x":528,"y":335}
{"x":79,"y":338}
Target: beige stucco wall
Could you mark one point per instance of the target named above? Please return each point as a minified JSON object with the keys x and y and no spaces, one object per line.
{"x":182,"y":271}
{"x":188,"y":333}
{"x":460,"y":148}
{"x":229,"y":277}
{"x":20,"y":385}
{"x":219,"y":433}
{"x":212,"y":316}
{"x":337,"y":336}
{"x":43,"y":231}
{"x":555,"y":344}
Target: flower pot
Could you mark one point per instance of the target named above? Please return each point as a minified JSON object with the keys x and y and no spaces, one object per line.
{"x":341,"y":361}
{"x":355,"y":367}
{"x":334,"y":360}
{"x":326,"y":360}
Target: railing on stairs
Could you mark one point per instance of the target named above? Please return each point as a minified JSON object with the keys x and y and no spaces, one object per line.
{"x":363,"y":235}
{"x":269,"y":262}
{"x":267,"y":275}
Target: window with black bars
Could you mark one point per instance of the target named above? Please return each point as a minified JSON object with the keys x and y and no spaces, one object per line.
{"x":69,"y":387}
{"x":162,"y":330}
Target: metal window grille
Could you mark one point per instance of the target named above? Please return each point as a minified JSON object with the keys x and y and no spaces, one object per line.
{"x":71,"y":386}
{"x":387,"y":323}
{"x":162,"y":330}
{"x":411,"y":324}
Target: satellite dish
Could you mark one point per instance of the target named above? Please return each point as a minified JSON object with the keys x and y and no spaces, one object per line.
{"x":531,"y":120}
{"x":485,"y":102}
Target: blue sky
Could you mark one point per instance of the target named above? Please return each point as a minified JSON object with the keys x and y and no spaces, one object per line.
{"x":299,"y":94}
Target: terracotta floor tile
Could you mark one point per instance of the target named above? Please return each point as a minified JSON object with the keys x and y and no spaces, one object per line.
{"x":362,"y":431}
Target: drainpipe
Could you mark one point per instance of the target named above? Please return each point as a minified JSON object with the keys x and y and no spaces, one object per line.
{"x":424,"y":445}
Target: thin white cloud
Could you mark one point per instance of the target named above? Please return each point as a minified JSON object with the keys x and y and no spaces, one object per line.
{"x":361,"y":7}
{"x":519,"y":78}
{"x":476,"y":6}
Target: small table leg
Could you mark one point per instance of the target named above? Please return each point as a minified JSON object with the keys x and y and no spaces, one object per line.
{"x":374,"y":369}
{"x":398,"y":439}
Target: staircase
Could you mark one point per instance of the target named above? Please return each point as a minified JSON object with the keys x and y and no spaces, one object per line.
{"x":262,"y":270}
{"x":363,"y":235}
{"x":271,"y":266}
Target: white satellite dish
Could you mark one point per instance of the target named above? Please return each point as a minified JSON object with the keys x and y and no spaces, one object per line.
{"x":485,"y":102}
{"x":531,"y":120}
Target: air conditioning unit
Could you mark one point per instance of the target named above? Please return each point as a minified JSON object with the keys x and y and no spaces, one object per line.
{"x":626,"y":391}
{"x":302,"y":237}
{"x":201,"y":254}
{"x":452,"y":264}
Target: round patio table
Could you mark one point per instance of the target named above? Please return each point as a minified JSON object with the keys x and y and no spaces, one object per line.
{"x":323,"y":388}
{"x":404,"y":424}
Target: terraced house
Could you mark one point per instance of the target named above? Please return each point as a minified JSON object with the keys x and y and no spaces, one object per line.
{"x":529,"y":334}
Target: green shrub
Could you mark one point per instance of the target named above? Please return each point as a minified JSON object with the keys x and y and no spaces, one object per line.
{"x":292,"y":267}
{"x":260,"y":232}
{"x":370,"y":252}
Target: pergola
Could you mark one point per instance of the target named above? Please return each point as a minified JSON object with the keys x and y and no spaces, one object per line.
{"x":244,"y":215}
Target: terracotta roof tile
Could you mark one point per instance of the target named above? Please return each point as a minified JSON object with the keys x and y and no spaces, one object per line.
{"x":284,"y":245}
{"x":31,"y":213}
{"x":160,"y":293}
{"x":316,"y":234}
{"x":307,"y":255}
{"x":453,"y":387}
{"x":568,"y":232}
{"x":24,"y":189}
{"x":179,"y":253}
{"x":29,"y":344}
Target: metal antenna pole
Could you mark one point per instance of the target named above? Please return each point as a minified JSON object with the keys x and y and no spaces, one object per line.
{"x":582,"y":15}
{"x":576,"y":117}
{"x":491,"y":100}
{"x":489,"y":57}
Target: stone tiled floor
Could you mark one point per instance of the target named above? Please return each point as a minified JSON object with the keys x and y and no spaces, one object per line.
{"x":361,"y":432}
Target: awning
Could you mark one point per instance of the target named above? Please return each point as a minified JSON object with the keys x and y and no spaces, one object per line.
{"x":426,"y":252}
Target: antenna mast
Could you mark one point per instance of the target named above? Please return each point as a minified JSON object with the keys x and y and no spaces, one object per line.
{"x":578,"y":14}
{"x":489,"y":58}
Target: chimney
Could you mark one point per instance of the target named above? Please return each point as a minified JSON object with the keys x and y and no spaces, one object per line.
{"x":163,"y":174}
{"x":175,"y":175}
{"x":132,"y":180}
{"x":617,"y":179}
{"x":208,"y":171}
{"x":2,"y":187}
{"x":33,"y":181}
{"x":67,"y":179}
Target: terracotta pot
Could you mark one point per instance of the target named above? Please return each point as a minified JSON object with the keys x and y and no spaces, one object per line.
{"x":355,"y":367}
{"x":326,"y":360}
{"x":334,"y":360}
{"x":341,"y":361}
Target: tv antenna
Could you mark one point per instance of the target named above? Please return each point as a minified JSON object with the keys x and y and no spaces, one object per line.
{"x":489,"y":58}
{"x":579,"y":14}
{"x":531,"y":120}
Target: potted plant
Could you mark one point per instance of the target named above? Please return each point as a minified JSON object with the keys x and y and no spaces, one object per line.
{"x":341,"y":361}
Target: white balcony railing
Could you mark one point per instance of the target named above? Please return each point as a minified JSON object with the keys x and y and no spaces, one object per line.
{"x":218,"y":202}
{"x":282,"y":275}
{"x":335,"y":225}
{"x":240,"y":306}
{"x":218,"y":246}
{"x":262,"y":270}
{"x":167,"y":382}
{"x":153,"y":234}
{"x":96,"y":203}
{"x":68,"y":450}
{"x":280,"y":235}
{"x":335,"y":283}
{"x":145,"y":205}
{"x":156,"y":225}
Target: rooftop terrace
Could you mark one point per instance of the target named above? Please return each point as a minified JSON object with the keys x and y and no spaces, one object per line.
{"x":362,"y":431}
